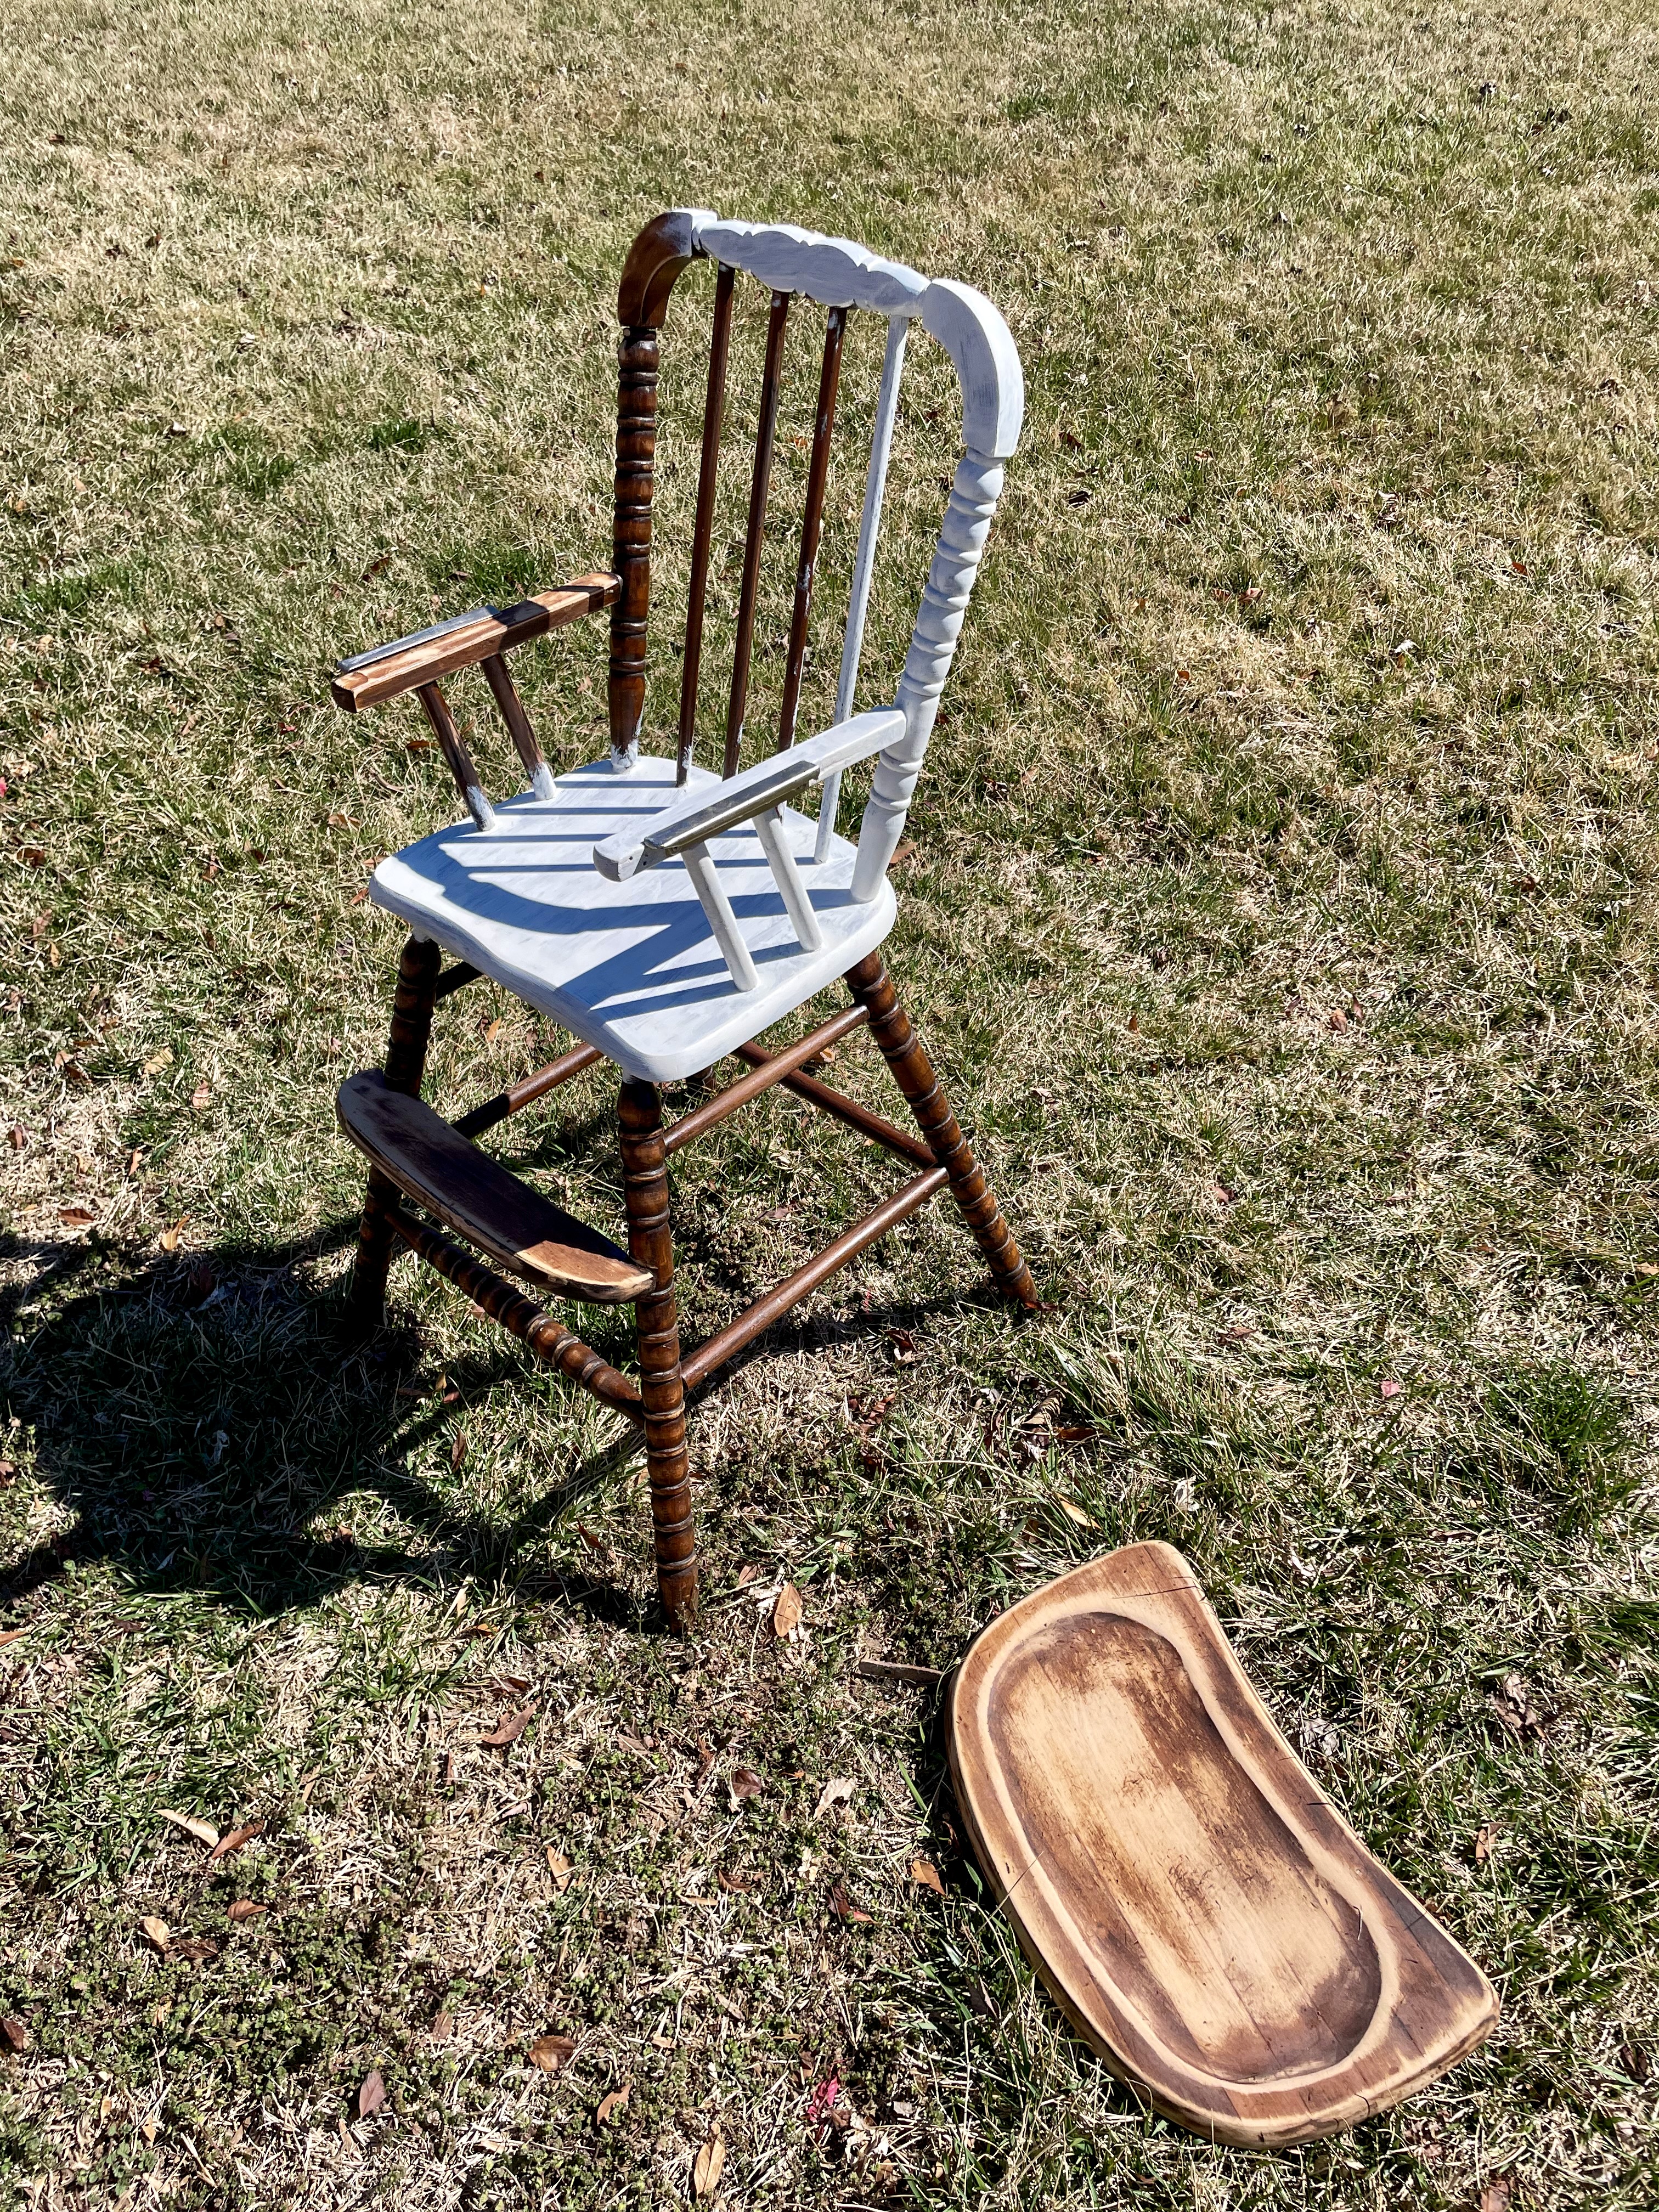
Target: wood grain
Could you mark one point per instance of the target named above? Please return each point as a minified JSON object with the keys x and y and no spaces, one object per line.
{"x":429,"y":1162}
{"x":771,"y":387}
{"x":656,"y":1342}
{"x":818,"y":478}
{"x":702,"y":534}
{"x":1204,"y":1916}
{"x":408,"y":662}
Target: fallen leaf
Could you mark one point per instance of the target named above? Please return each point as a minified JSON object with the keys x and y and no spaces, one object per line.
{"x":1485,"y":1838}
{"x":203,"y":1830}
{"x":709,"y":2165}
{"x":371,"y":2096}
{"x":1495,"y":2196}
{"x":201,"y":1098}
{"x":1338,"y":1019}
{"x":163,"y":1059}
{"x":1073,"y":1511}
{"x":509,"y":1728}
{"x":560,"y":1868}
{"x":170,"y":1236}
{"x":836,"y":1791}
{"x":149,"y":2128}
{"x":458,"y":1449}
{"x":17,"y":1137}
{"x":897,"y":1670}
{"x":745,"y":1783}
{"x":925,"y":1874}
{"x":1225,"y":1197}
{"x":11,"y":1634}
{"x":157,"y":1931}
{"x":246,"y":1909}
{"x":738,"y":1885}
{"x":786,"y":1614}
{"x":613,"y":2103}
{"x":234,"y":1839}
{"x":903,"y":851}
{"x":632,"y":1743}
{"x":747,"y":1573}
{"x":443,"y":2027}
{"x":15,"y":2034}
{"x":194,"y":1946}
{"x":1389,"y":1387}
{"x":549,"y":2053}
{"x":77,"y":1216}
{"x":844,"y":1908}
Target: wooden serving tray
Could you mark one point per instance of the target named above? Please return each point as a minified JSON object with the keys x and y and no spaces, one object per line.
{"x":1205,"y":1918}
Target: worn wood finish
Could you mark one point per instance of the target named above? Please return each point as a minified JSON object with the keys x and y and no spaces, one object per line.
{"x":406,"y":1064}
{"x":548,"y":1338}
{"x":636,"y":448}
{"x":907,"y":1200}
{"x":453,"y":746}
{"x":662,"y":1390}
{"x":432,"y":1163}
{"x":703,"y":536}
{"x":525,"y":741}
{"x":914,"y":1072}
{"x":1204,"y":1916}
{"x":368,"y":679}
{"x":771,"y":1069}
{"x":526,"y":1092}
{"x":811,"y":527}
{"x":840,"y":1108}
{"x":771,"y":387}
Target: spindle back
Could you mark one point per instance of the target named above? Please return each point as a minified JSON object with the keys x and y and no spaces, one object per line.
{"x":841,"y":277}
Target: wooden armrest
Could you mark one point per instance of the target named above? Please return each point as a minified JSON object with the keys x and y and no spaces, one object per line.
{"x":695,"y":818}
{"x":407,"y":663}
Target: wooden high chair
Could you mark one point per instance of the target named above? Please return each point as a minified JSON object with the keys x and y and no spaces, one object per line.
{"x":663,"y":915}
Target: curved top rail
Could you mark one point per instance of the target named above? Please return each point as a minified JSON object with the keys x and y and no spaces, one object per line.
{"x":833,"y":271}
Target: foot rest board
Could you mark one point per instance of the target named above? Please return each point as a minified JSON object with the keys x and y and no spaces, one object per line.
{"x":1203,"y":1915}
{"x":475,"y":1196}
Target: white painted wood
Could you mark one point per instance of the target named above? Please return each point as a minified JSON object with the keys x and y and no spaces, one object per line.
{"x":711,"y":896}
{"x":773,"y":832}
{"x":986,"y":360}
{"x":632,"y":968}
{"x":832,"y":270}
{"x":542,"y":785}
{"x":478,"y":806}
{"x":863,"y":562}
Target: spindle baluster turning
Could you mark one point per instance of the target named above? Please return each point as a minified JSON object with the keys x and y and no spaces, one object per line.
{"x":703,"y":536}
{"x":766,"y":434}
{"x":818,"y":477}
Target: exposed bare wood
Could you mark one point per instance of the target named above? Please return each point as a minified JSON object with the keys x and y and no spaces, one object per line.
{"x":771,"y":386}
{"x":703,"y":533}
{"x":406,"y":663}
{"x":818,"y":478}
{"x":432,"y":1164}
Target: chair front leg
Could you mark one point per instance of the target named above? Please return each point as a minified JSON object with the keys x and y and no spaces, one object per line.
{"x":406,"y":1064}
{"x":912,"y":1071}
{"x":645,"y":1184}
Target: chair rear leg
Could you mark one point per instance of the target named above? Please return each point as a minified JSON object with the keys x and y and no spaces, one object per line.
{"x":912,"y":1071}
{"x":406,"y":1064}
{"x":645,"y":1185}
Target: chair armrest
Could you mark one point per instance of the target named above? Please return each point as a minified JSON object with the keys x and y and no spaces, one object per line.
{"x":407,"y":663}
{"x":699,"y":816}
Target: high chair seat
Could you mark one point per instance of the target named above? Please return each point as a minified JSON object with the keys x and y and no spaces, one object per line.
{"x":630,"y":968}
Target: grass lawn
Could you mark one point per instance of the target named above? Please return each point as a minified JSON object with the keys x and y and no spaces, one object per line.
{"x":1282,"y":911}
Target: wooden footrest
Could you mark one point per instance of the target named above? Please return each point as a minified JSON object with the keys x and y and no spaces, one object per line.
{"x":475,"y":1196}
{"x":1204,"y":1916}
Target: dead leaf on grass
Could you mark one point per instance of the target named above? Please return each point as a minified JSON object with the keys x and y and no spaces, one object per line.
{"x":11,"y":1634}
{"x":203,"y":1830}
{"x":613,"y":2103}
{"x":1495,"y":2196}
{"x":745,"y":1783}
{"x":549,"y":2053}
{"x":709,"y":2165}
{"x":509,"y":1728}
{"x":157,"y":1932}
{"x":371,"y":2096}
{"x":233,"y":1839}
{"x":15,"y":2034}
{"x":739,"y":1885}
{"x":925,"y":1874}
{"x":1073,"y":1511}
{"x":194,"y":1946}
{"x":632,"y":1743}
{"x":458,"y":1449}
{"x":844,"y":1908}
{"x":838,"y":1790}
{"x":561,"y":1870}
{"x":1485,"y":1838}
{"x":246,"y":1909}
{"x":787,"y":1613}
{"x":443,"y":2027}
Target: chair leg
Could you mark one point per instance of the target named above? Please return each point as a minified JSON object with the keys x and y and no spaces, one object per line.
{"x":912,"y":1071}
{"x":645,"y":1184}
{"x":405,"y":1064}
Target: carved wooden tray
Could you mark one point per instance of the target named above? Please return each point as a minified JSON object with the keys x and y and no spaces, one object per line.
{"x":1205,"y":1918}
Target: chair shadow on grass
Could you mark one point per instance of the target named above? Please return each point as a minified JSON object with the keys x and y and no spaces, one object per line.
{"x":197,"y":1414}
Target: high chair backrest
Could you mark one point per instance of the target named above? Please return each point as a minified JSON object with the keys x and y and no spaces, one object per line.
{"x":841,"y":277}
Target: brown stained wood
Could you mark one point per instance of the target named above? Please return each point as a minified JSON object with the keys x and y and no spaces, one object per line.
{"x":453,"y":746}
{"x":662,"y":1389}
{"x":636,"y":447}
{"x":703,"y":533}
{"x":408,"y":663}
{"x":771,"y":386}
{"x":913,"y":1072}
{"x":505,"y":693}
{"x":412,"y":1003}
{"x":526,"y":1092}
{"x":818,"y":478}
{"x":1201,"y":1912}
{"x":655,"y":261}
{"x":771,"y":1068}
{"x":548,"y":1338}
{"x":519,"y":1230}
{"x":714,"y":1352}
{"x":843,"y":1108}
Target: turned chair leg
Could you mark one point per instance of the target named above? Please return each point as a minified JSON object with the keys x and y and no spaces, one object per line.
{"x":406,"y":1064}
{"x":912,"y":1071}
{"x":645,"y":1184}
